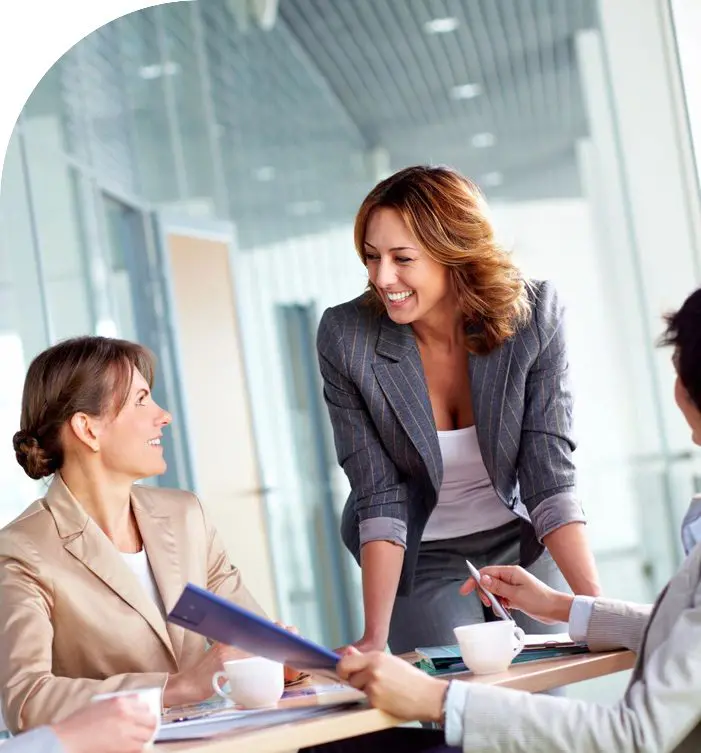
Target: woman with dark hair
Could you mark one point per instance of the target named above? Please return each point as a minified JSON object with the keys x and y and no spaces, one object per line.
{"x":446,"y":383}
{"x":89,"y":571}
{"x":661,"y":709}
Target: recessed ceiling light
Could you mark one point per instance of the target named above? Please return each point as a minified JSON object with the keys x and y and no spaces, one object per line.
{"x":441,"y":25}
{"x":483,"y":140}
{"x":150,"y":72}
{"x":493,"y":179}
{"x":466,"y":91}
{"x":264,"y":174}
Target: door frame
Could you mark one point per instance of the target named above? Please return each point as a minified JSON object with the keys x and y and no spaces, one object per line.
{"x":165,"y":222}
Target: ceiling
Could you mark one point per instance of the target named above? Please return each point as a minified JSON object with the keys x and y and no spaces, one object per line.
{"x":338,"y":93}
{"x":394,"y":79}
{"x":310,"y":114}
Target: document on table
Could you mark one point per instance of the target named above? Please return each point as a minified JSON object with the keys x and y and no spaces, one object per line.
{"x":548,"y":640}
{"x":228,"y":721}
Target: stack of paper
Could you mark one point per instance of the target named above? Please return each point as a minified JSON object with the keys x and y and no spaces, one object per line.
{"x":548,"y":640}
{"x":227,"y":721}
{"x":217,"y":716}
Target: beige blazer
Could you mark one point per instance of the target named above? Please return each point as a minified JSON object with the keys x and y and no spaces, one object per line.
{"x":74,"y":619}
{"x":661,"y":709}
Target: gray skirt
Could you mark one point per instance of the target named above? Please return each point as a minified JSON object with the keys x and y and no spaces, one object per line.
{"x":427,"y":616}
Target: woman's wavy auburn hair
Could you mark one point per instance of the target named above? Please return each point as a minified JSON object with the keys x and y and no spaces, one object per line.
{"x":448,"y":215}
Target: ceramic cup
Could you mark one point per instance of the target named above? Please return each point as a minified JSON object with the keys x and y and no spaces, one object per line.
{"x":254,"y":682}
{"x":489,"y":647}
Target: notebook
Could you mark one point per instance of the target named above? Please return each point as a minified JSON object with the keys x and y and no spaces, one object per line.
{"x":437,"y":660}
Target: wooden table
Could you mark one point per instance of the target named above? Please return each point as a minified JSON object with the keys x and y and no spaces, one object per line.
{"x":532,"y":677}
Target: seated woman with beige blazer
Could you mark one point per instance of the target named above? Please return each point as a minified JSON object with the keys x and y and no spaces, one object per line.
{"x":89,"y":572}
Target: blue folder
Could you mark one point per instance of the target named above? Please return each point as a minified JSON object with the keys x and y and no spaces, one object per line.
{"x":221,"y":620}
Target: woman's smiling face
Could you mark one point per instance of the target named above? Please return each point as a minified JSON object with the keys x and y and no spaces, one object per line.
{"x":409,"y":282}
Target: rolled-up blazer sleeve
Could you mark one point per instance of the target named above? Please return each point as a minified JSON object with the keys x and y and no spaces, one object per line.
{"x":377,"y":489}
{"x":546,"y":472}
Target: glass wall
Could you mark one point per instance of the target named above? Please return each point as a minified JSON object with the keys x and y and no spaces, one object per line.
{"x":687,"y":27}
{"x":23,"y":317}
{"x":194,"y":112}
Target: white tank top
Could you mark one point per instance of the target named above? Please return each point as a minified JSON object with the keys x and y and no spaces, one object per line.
{"x":467,"y":502}
{"x":138,"y":563}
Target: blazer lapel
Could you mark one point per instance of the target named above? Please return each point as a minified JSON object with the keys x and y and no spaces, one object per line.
{"x":403,"y":384}
{"x":162,"y":550}
{"x":84,"y":539}
{"x":488,"y":376}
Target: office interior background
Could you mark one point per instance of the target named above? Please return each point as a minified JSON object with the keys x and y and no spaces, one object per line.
{"x":187,"y":176}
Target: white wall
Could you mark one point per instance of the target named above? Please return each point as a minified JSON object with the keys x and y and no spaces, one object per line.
{"x":687,"y":27}
{"x":554,"y":240}
{"x":645,"y":99}
{"x":638,"y":176}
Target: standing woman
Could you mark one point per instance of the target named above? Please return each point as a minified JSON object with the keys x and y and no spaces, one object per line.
{"x":446,"y":383}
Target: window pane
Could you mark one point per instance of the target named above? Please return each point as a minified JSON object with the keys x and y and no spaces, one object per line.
{"x":22,"y":333}
{"x":60,"y":231}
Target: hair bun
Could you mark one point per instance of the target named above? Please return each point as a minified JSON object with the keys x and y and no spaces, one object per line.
{"x":31,"y":456}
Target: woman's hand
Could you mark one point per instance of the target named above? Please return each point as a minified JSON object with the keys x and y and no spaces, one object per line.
{"x":117,"y":725}
{"x":194,"y":683}
{"x":393,"y":685}
{"x":365,"y":645}
{"x":291,"y":674}
{"x":518,"y":589}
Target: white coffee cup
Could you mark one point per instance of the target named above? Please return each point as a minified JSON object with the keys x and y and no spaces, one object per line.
{"x":254,"y":682}
{"x":489,"y":647}
{"x":151,"y":697}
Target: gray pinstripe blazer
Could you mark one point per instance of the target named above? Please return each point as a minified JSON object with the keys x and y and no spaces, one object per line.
{"x":386,"y":438}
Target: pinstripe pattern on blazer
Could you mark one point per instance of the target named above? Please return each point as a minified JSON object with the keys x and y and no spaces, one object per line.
{"x":661,"y":709}
{"x":385,"y":433}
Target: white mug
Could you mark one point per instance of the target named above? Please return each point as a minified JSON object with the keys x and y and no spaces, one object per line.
{"x":488,"y":647}
{"x":254,"y":682}
{"x":151,"y":697}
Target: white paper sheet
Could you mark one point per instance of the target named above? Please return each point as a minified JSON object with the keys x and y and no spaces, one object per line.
{"x":238,"y":720}
{"x":549,"y":639}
